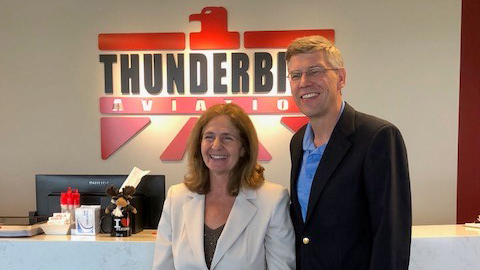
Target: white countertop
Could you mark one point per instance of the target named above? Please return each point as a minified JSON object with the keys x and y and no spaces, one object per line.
{"x":436,"y":231}
{"x":144,"y":236}
{"x":435,"y":247}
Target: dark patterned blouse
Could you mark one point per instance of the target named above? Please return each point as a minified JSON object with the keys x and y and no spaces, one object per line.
{"x":210,"y":242}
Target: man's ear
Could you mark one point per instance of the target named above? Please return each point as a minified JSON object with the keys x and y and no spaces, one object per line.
{"x":342,"y":75}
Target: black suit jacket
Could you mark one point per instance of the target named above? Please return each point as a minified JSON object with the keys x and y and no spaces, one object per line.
{"x":359,"y":211}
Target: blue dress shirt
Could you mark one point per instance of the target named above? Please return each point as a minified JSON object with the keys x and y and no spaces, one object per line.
{"x":311,"y":158}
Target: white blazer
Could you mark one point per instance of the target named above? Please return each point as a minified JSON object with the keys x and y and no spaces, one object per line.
{"x":258,"y":233}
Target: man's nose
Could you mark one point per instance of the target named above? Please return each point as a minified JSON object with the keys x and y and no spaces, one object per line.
{"x":305,"y":80}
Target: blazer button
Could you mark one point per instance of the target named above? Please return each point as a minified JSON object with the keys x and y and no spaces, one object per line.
{"x":306,"y":240}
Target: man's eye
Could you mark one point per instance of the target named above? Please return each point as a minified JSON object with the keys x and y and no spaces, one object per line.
{"x":315,"y":72}
{"x":295,"y":76}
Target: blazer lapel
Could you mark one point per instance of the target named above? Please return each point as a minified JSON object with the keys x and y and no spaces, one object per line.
{"x":296,"y":160}
{"x":193,"y":216}
{"x":336,"y":149}
{"x":240,"y":216}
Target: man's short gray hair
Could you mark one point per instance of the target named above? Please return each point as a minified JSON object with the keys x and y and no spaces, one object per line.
{"x":313,"y":44}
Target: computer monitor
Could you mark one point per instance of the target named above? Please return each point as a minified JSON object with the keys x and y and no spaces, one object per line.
{"x":148,"y":198}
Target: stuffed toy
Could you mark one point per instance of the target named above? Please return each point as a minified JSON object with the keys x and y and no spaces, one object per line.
{"x":120,"y":201}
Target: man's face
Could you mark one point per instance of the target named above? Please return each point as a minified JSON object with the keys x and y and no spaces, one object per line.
{"x":315,"y":85}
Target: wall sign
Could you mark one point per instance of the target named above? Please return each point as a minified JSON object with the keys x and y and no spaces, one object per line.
{"x":151,"y":74}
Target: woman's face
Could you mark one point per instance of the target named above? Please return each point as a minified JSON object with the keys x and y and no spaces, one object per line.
{"x":221,"y":145}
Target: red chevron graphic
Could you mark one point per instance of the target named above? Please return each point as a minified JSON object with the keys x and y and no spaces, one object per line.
{"x":176,"y":149}
{"x":263,"y":154}
{"x":116,"y":131}
{"x":294,"y":123}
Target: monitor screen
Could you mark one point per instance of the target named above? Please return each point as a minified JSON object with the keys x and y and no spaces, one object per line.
{"x":149,"y":195}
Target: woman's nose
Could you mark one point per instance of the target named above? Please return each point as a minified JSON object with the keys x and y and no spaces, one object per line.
{"x":217,"y":144}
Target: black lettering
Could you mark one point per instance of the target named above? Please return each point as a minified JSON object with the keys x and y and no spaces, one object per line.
{"x":240,"y":78}
{"x":219,"y":72}
{"x":198,"y":60}
{"x":130,"y":74}
{"x":175,"y":73}
{"x":263,"y":80}
{"x":153,"y":76}
{"x":281,"y":72}
{"x":108,"y":60}
{"x":263,"y":74}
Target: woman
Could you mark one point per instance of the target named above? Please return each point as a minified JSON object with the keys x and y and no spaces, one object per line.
{"x":224,"y":215}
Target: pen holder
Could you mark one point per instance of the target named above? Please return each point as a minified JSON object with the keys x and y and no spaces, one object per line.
{"x":121,"y":226}
{"x":118,"y":226}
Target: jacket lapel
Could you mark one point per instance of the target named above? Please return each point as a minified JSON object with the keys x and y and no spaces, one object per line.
{"x":240,"y":216}
{"x":336,"y":149}
{"x":193,"y":216}
{"x":296,"y":150}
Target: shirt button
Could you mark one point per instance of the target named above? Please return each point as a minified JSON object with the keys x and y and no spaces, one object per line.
{"x":306,"y":240}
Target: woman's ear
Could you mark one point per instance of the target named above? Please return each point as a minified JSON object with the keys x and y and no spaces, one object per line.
{"x":242,"y":152}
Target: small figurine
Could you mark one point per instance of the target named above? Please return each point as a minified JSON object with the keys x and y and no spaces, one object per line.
{"x":120,"y":201}
{"x":120,"y":210}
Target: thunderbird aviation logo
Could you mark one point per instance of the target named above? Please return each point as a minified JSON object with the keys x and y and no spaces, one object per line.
{"x":179,"y":77}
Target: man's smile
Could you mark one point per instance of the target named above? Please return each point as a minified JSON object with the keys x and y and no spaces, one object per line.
{"x":309,"y":95}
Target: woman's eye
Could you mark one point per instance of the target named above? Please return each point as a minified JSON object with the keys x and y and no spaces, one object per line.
{"x":228,"y":138}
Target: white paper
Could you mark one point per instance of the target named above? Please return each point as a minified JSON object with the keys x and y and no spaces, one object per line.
{"x":134,"y":178}
{"x":473,"y":225}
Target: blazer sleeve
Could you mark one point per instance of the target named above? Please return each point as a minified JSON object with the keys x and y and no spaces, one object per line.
{"x":387,"y":185}
{"x":280,"y":238}
{"x":163,"y":256}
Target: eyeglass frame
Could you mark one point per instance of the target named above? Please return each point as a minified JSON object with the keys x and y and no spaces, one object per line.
{"x":312,"y":72}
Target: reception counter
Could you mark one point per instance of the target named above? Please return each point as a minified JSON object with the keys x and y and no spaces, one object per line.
{"x":433,"y":247}
{"x":445,"y":247}
{"x":65,"y":252}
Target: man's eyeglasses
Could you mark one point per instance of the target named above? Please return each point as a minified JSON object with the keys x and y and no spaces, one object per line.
{"x":313,"y":72}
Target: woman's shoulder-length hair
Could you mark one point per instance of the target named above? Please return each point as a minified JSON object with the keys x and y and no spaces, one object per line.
{"x":246,"y":173}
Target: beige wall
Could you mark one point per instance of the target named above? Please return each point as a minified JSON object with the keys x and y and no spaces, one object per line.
{"x":402,"y":60}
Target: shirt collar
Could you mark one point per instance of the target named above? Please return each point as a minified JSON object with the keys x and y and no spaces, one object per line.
{"x":309,"y":136}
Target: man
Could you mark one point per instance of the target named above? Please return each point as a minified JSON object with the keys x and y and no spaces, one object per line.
{"x":350,"y":187}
